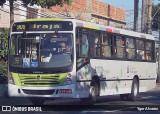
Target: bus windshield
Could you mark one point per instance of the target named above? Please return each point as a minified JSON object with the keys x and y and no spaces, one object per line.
{"x":41,"y":50}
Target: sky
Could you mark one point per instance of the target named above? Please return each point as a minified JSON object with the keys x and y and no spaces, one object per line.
{"x":128,"y":5}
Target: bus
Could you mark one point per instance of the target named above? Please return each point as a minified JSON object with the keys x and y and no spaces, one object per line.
{"x":69,"y":58}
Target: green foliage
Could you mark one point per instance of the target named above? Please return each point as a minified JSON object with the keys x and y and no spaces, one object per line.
{"x":156,"y":18}
{"x":3,"y":68}
{"x":4,"y":43}
{"x":42,"y":3}
{"x":47,"y":3}
{"x":3,"y":51}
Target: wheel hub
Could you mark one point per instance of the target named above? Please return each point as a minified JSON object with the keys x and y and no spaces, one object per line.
{"x":135,"y":90}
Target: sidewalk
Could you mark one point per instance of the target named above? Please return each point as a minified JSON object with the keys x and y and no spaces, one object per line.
{"x":158,"y":85}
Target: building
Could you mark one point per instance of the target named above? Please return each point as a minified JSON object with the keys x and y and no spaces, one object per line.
{"x":20,"y":12}
{"x":87,"y":10}
{"x":90,"y":10}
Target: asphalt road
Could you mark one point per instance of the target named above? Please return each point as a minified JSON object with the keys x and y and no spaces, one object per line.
{"x":108,"y":104}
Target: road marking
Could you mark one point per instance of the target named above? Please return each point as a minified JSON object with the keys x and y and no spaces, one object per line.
{"x":148,"y":97}
{"x":100,"y":111}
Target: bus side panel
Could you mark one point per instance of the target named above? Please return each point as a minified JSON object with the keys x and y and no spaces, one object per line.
{"x":83,"y":77}
{"x":148,"y":82}
{"x":116,"y":76}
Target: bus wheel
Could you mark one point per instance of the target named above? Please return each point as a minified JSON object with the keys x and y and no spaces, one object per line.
{"x":93,"y":93}
{"x":134,"y":91}
{"x":37,"y":101}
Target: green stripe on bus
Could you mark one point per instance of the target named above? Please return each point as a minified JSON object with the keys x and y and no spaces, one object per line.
{"x":44,"y":80}
{"x":91,"y":26}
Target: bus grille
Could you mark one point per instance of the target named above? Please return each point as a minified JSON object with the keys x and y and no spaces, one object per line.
{"x":39,"y":80}
{"x":38,"y":92}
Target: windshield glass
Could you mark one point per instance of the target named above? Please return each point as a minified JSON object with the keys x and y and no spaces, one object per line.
{"x":41,"y":50}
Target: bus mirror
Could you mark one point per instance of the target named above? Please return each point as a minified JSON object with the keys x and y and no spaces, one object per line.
{"x":24,"y":34}
{"x":37,"y":39}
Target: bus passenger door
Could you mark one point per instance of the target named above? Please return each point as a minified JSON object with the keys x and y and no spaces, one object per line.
{"x":82,"y":59}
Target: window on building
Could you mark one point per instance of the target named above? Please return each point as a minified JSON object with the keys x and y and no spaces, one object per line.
{"x":140,"y":49}
{"x":32,"y":13}
{"x":95,"y":44}
{"x":120,"y":47}
{"x":106,"y":45}
{"x":130,"y":48}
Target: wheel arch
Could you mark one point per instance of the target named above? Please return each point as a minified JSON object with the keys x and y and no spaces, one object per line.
{"x":137,"y":78}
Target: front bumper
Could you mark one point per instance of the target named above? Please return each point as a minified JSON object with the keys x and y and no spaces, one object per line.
{"x":67,"y":91}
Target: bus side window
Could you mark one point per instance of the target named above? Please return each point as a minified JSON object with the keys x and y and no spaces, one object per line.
{"x":149,"y":51}
{"x":106,"y":45}
{"x":130,"y":48}
{"x":140,"y":50}
{"x":120,"y":47}
{"x":82,"y":46}
{"x":95,"y":44}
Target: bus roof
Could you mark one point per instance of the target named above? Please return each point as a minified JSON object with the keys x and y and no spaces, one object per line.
{"x":46,"y":19}
{"x":96,"y":27}
{"x":114,"y":30}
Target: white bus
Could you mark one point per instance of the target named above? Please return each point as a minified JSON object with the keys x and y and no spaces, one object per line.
{"x":69,"y":58}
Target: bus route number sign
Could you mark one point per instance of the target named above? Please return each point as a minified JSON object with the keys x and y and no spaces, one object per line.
{"x":39,"y":27}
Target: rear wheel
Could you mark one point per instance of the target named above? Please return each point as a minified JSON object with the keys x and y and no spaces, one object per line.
{"x":134,"y":91}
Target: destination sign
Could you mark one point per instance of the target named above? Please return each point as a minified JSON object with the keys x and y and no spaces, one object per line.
{"x":43,"y":26}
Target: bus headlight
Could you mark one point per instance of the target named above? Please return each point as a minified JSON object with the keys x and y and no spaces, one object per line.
{"x":67,"y":81}
{"x":10,"y":79}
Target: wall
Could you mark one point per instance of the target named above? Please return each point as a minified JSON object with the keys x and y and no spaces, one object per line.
{"x":90,"y":10}
{"x":19,"y":10}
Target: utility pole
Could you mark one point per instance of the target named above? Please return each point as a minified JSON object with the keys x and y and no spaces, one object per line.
{"x":136,"y":4}
{"x":146,"y":16}
{"x":149,"y":17}
{"x":88,"y":9}
{"x":158,"y":75}
{"x":11,"y":12}
{"x":143,"y":16}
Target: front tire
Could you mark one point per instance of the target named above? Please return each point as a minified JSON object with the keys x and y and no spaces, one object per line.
{"x":93,"y":93}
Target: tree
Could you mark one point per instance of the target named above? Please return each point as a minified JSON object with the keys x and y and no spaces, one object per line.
{"x":42,"y":3}
{"x":3,"y":53}
{"x":3,"y":43}
{"x":156,"y":17}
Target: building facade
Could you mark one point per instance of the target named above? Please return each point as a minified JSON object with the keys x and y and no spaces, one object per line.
{"x":20,"y":13}
{"x":87,"y":10}
{"x":90,"y":10}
